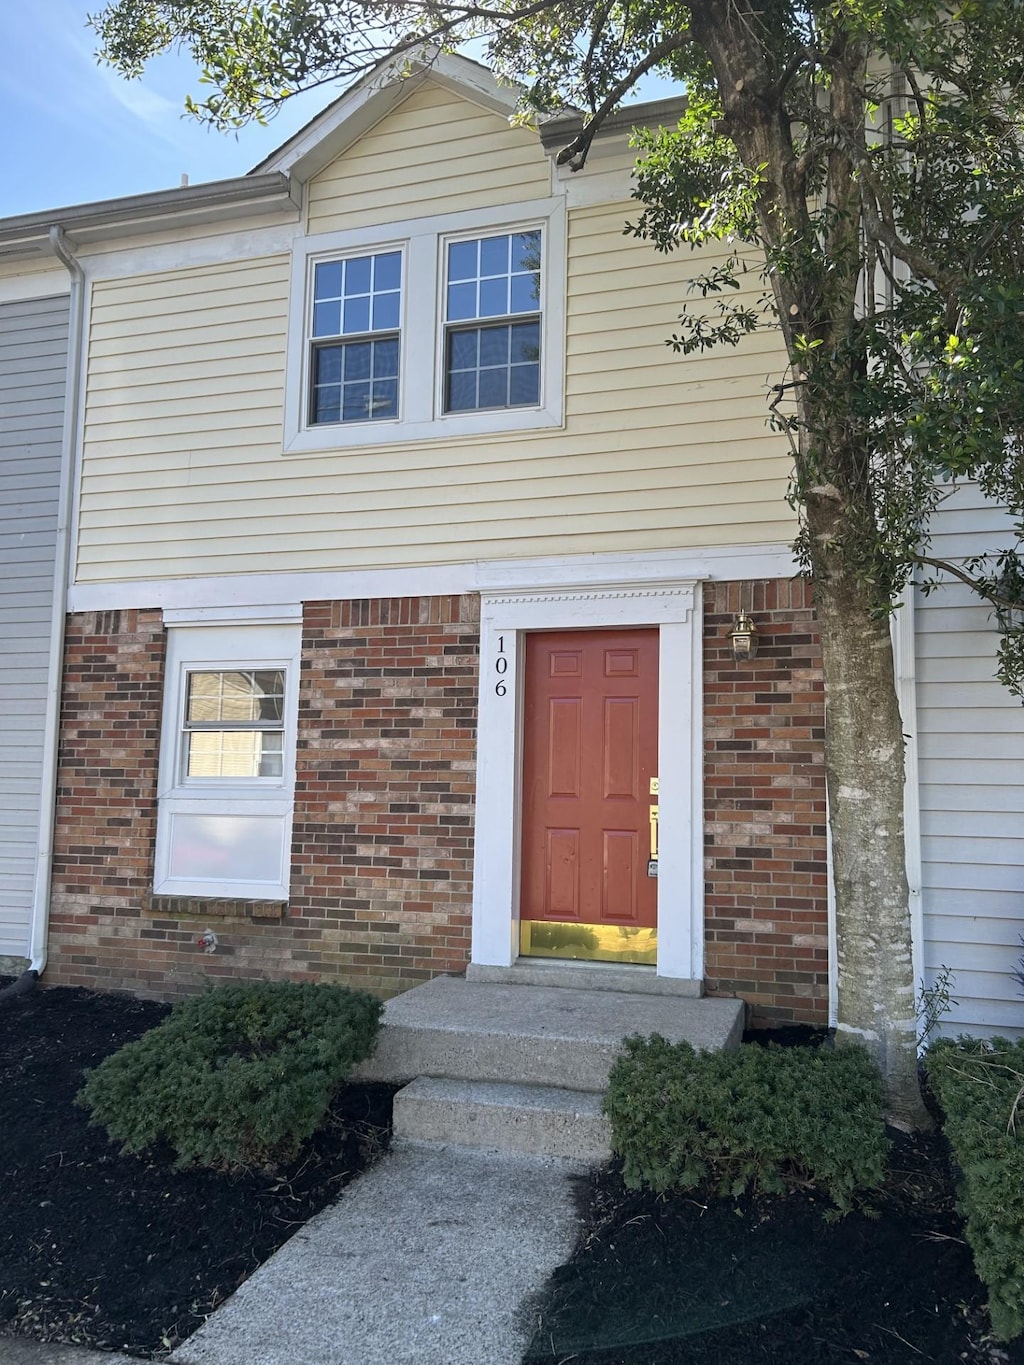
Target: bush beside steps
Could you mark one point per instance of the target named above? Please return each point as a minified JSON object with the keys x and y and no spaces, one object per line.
{"x":239,"y":1076}
{"x":980,"y":1086}
{"x":751,"y":1117}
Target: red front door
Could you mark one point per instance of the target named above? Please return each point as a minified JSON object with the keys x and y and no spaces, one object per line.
{"x":590,"y":750}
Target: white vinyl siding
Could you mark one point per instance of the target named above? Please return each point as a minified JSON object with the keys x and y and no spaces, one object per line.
{"x":971,"y":769}
{"x":33,"y":361}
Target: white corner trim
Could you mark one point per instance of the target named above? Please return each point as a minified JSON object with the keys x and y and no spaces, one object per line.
{"x":287,"y":614}
{"x":506,"y":617}
{"x":904,"y":648}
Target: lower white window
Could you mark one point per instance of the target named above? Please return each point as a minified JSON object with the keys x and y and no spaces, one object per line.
{"x":227,"y":761}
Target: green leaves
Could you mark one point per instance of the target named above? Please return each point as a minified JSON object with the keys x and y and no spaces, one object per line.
{"x":754,"y":1116}
{"x":980,"y":1086}
{"x":239,"y":1076}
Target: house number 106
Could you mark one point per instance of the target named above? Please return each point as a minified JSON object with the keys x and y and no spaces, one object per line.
{"x":501,"y":668}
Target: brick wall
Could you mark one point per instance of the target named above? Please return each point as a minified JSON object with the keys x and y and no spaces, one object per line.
{"x":764,"y":792}
{"x":106,"y":797}
{"x":382,"y":839}
{"x":382,"y":852}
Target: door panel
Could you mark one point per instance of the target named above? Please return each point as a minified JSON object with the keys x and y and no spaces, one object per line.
{"x":590,"y":750}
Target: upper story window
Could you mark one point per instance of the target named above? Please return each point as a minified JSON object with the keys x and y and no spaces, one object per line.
{"x":357,"y":306}
{"x":492,"y":364}
{"x":437,"y":328}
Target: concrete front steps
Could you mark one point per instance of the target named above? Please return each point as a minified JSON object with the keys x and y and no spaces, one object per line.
{"x":517,"y":1059}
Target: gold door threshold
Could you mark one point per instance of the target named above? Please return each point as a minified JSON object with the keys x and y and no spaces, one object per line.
{"x":588,"y":942}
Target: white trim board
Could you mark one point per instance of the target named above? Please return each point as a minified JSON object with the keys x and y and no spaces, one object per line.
{"x":506,"y":616}
{"x":715,"y":564}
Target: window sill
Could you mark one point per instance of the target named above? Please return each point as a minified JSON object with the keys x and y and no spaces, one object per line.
{"x":342,"y":436}
{"x":213,"y":907}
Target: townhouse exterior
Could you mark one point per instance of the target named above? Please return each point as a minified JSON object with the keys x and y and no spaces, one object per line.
{"x":373,"y":564}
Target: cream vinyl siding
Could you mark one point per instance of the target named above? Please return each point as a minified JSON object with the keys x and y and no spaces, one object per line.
{"x":971,"y":769}
{"x":436,"y":153}
{"x":184,"y":473}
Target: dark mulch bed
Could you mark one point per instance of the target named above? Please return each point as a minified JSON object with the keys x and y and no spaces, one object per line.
{"x":119,"y":1252}
{"x":695,"y":1280}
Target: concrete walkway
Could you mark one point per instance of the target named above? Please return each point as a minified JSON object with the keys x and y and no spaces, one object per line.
{"x":428,"y":1259}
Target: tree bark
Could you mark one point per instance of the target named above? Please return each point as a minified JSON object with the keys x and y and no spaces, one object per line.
{"x":864,"y":760}
{"x":817,"y":302}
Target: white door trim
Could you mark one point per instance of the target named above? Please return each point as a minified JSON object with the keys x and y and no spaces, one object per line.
{"x":673,"y":606}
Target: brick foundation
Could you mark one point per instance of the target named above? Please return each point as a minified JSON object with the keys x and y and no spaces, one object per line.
{"x":766,"y":880}
{"x":382,"y":843}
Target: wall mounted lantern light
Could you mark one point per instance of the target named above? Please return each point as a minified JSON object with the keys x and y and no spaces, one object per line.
{"x":743,"y":638}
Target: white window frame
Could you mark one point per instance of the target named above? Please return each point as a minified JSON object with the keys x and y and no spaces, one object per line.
{"x":310,"y":342}
{"x":214,"y":646}
{"x":423,"y":242}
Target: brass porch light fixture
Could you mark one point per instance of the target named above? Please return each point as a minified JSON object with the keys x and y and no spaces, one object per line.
{"x":743,"y":638}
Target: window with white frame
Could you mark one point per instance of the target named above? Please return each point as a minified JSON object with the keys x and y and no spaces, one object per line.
{"x":433,"y":328}
{"x":354,"y":358}
{"x":490,"y":363}
{"x":233,"y":724}
{"x":227,"y":760}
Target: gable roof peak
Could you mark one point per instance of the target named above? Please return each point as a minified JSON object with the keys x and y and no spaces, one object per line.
{"x":374,"y":96}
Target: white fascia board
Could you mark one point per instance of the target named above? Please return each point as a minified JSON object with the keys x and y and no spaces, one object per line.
{"x":260,"y":591}
{"x":236,"y":200}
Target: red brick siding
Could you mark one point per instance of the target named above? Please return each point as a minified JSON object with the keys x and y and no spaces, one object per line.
{"x":382,"y":851}
{"x":106,"y":792}
{"x":382,"y":842}
{"x":766,"y":935}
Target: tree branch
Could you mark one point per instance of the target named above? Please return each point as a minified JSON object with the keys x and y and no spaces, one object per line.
{"x":944,"y":566}
{"x":574,"y":155}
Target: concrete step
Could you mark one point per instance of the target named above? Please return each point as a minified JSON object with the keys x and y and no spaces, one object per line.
{"x":529,"y":1119}
{"x":533,"y":1035}
{"x":591,"y":976}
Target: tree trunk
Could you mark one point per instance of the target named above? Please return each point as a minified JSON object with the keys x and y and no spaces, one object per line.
{"x":865,"y":774}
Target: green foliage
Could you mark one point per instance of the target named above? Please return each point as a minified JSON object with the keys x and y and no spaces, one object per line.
{"x":239,"y":1076}
{"x":980,"y":1086}
{"x":933,"y":1002}
{"x":753,"y":1116}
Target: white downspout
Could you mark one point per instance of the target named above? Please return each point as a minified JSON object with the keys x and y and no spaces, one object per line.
{"x":61,"y":574}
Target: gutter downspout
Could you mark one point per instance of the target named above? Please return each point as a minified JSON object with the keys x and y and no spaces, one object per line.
{"x":61,"y":573}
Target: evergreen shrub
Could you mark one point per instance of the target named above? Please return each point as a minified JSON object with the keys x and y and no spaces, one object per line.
{"x":750,"y":1117}
{"x":240,"y":1076}
{"x":980,"y":1086}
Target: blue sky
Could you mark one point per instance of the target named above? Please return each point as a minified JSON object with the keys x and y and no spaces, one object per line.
{"x":77,"y":132}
